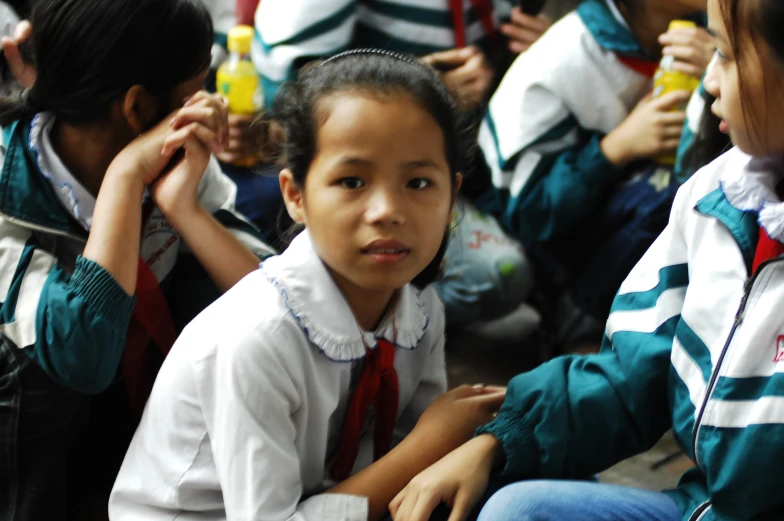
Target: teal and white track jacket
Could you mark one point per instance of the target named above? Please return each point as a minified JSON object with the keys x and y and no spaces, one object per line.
{"x":694,"y":342}
{"x":67,"y":312}
{"x":541,"y":134}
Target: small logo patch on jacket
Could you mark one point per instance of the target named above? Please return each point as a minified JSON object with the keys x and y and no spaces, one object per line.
{"x":779,"y":349}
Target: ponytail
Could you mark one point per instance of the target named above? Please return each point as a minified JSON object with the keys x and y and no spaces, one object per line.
{"x":15,"y":108}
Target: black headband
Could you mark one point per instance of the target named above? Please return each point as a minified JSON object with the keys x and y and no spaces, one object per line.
{"x":377,"y":52}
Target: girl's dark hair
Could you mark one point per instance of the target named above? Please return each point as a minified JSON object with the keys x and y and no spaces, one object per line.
{"x":88,"y":53}
{"x":761,"y":19}
{"x":709,"y":142}
{"x":376,"y":74}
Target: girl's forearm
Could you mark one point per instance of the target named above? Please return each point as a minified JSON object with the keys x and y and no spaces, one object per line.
{"x":225,"y":258}
{"x":116,"y":227}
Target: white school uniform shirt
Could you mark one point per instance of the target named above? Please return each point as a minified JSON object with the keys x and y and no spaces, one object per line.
{"x":245,"y":416}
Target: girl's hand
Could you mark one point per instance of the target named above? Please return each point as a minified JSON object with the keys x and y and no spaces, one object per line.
{"x":241,"y":144}
{"x":523,"y":30}
{"x":199,"y":128}
{"x":458,"y":480}
{"x":652,"y":129}
{"x":23,"y":72}
{"x":146,"y":157}
{"x":453,"y":417}
{"x":692,"y":49}
{"x":466,"y":72}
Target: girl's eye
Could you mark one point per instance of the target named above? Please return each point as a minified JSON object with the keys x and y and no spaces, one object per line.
{"x":721,"y":55}
{"x":418,"y":183}
{"x":352,"y":183}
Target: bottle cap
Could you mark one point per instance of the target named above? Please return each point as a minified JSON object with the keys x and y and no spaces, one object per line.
{"x":682,"y":24}
{"x":240,"y":38}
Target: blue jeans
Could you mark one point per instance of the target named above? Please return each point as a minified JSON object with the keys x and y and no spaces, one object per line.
{"x":577,"y":501}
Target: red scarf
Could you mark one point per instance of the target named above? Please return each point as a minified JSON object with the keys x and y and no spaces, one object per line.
{"x":483,"y":10}
{"x":151,"y":320}
{"x":644,"y":67}
{"x":767,"y":249}
{"x":377,"y":386}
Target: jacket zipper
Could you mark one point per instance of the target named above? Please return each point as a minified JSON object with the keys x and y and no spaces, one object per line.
{"x":748,"y":285}
{"x":699,"y":513}
{"x":42,"y":229}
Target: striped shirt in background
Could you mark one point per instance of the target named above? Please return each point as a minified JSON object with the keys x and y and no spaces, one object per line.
{"x":290,"y":34}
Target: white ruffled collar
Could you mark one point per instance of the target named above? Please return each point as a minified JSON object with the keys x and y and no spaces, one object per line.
{"x":750,"y":185}
{"x":322,"y":313}
{"x":72,"y":194}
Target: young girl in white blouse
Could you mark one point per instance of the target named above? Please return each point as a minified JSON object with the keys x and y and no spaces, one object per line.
{"x":287,"y":397}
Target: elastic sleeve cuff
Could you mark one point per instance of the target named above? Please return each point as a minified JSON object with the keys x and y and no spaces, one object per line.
{"x":93,"y":283}
{"x":517,"y":440}
{"x":334,"y":507}
{"x":591,"y":158}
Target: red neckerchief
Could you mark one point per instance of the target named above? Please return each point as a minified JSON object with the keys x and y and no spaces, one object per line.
{"x":151,"y":320}
{"x":483,"y":10}
{"x":644,"y":67}
{"x":767,"y":249}
{"x":377,"y":386}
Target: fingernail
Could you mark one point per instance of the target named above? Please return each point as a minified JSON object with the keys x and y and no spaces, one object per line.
{"x":479,"y":387}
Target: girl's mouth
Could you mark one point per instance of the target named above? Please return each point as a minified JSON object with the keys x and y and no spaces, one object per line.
{"x":386,"y":251}
{"x":386,"y":255}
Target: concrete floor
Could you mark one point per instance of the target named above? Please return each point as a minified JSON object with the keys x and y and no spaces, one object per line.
{"x":472,"y":360}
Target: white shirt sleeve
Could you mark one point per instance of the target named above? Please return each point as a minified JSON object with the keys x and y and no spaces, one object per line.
{"x":250,"y":396}
{"x":433,"y":382}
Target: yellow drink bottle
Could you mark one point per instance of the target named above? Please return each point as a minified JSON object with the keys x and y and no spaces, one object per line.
{"x":668,"y":80}
{"x":237,"y":79}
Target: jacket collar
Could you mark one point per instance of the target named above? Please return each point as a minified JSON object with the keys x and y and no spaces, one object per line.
{"x":746,"y":199}
{"x":606,"y":24}
{"x":609,"y":29}
{"x":742,"y":225}
{"x":26,"y":195}
{"x":74,"y":197}
{"x":322,"y":313}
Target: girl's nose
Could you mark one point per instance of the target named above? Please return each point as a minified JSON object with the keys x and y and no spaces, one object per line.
{"x":385,"y":207}
{"x":711,"y":81}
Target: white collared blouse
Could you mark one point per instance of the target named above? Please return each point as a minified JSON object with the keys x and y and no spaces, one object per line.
{"x":246,"y":413}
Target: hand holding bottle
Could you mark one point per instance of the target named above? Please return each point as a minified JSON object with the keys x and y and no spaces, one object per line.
{"x":692,"y":48}
{"x":653,"y":128}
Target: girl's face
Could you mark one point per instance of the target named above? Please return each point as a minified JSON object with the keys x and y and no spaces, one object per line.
{"x":186,"y":89}
{"x":378,"y":195}
{"x":751,"y":117}
{"x":139,"y":110}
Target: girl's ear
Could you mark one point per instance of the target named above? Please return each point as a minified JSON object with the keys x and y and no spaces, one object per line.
{"x":293,"y":196}
{"x":140,"y":109}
